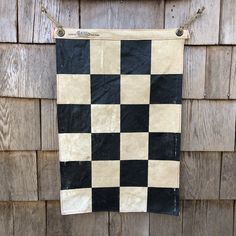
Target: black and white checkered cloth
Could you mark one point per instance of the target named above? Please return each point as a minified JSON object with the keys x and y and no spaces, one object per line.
{"x":119,"y":118}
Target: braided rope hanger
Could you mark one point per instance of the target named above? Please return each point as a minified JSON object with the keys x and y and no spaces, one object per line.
{"x":179,"y":32}
{"x":60,"y":31}
{"x":189,"y":21}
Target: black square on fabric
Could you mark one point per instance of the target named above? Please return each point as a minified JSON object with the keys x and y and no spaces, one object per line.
{"x":73,"y":56}
{"x":134,"y":118}
{"x":163,"y":200}
{"x":105,"y":89}
{"x":135,"y":56}
{"x":105,"y":146}
{"x":75,"y":174}
{"x":164,"y":146}
{"x":166,"y":89}
{"x":133,"y":173}
{"x":105,"y":199}
{"x":74,"y":118}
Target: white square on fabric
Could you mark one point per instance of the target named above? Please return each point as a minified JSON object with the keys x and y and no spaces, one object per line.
{"x":163,"y":174}
{"x":105,"y":173}
{"x":135,"y":89}
{"x":133,"y":199}
{"x":75,"y":146}
{"x":105,"y":118}
{"x":73,"y":89}
{"x":165,"y":118}
{"x":134,"y":146}
{"x":76,"y":201}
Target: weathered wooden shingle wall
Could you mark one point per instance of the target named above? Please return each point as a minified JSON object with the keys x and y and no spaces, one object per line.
{"x":29,"y":179}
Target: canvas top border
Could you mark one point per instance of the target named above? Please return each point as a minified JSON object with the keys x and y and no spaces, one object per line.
{"x":121,"y":34}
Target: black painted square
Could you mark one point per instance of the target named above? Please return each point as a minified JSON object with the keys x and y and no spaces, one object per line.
{"x":105,"y":199}
{"x":163,"y":200}
{"x":135,"y":56}
{"x":134,"y":173}
{"x":166,"y":89}
{"x":74,"y":118}
{"x":105,"y":89}
{"x":73,"y":56}
{"x":134,"y":118}
{"x":164,"y":146}
{"x":106,"y":146}
{"x":75,"y":174}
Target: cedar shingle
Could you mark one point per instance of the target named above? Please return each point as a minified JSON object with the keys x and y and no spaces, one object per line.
{"x":18,"y":176}
{"x":20,"y":124}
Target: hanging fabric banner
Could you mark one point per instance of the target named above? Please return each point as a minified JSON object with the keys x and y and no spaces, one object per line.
{"x":119,"y":118}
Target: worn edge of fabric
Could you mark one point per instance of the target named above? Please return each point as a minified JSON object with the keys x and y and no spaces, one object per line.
{"x":122,"y":34}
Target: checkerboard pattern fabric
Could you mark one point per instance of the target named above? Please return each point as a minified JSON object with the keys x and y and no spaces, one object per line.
{"x":119,"y":119}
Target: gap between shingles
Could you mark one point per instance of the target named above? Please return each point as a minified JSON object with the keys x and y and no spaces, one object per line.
{"x":221,"y":162}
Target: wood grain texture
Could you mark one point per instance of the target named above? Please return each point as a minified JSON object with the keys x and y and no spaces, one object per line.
{"x":232,"y":91}
{"x":73,"y":225}
{"x":19,"y":124}
{"x":228,"y":22}
{"x":200,"y":175}
{"x":18,"y":176}
{"x":26,"y":10}
{"x":204,"y":30}
{"x":49,"y":127}
{"x":29,"y":218}
{"x":6,"y":219}
{"x":194,"y":72}
{"x":228,"y":176}
{"x":66,"y":12}
{"x":8,"y":21}
{"x":122,"y":14}
{"x":48,"y":176}
{"x":28,"y":70}
{"x":208,"y":125}
{"x":211,"y":218}
{"x":218,"y":64}
{"x":130,"y":224}
{"x":165,"y":225}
